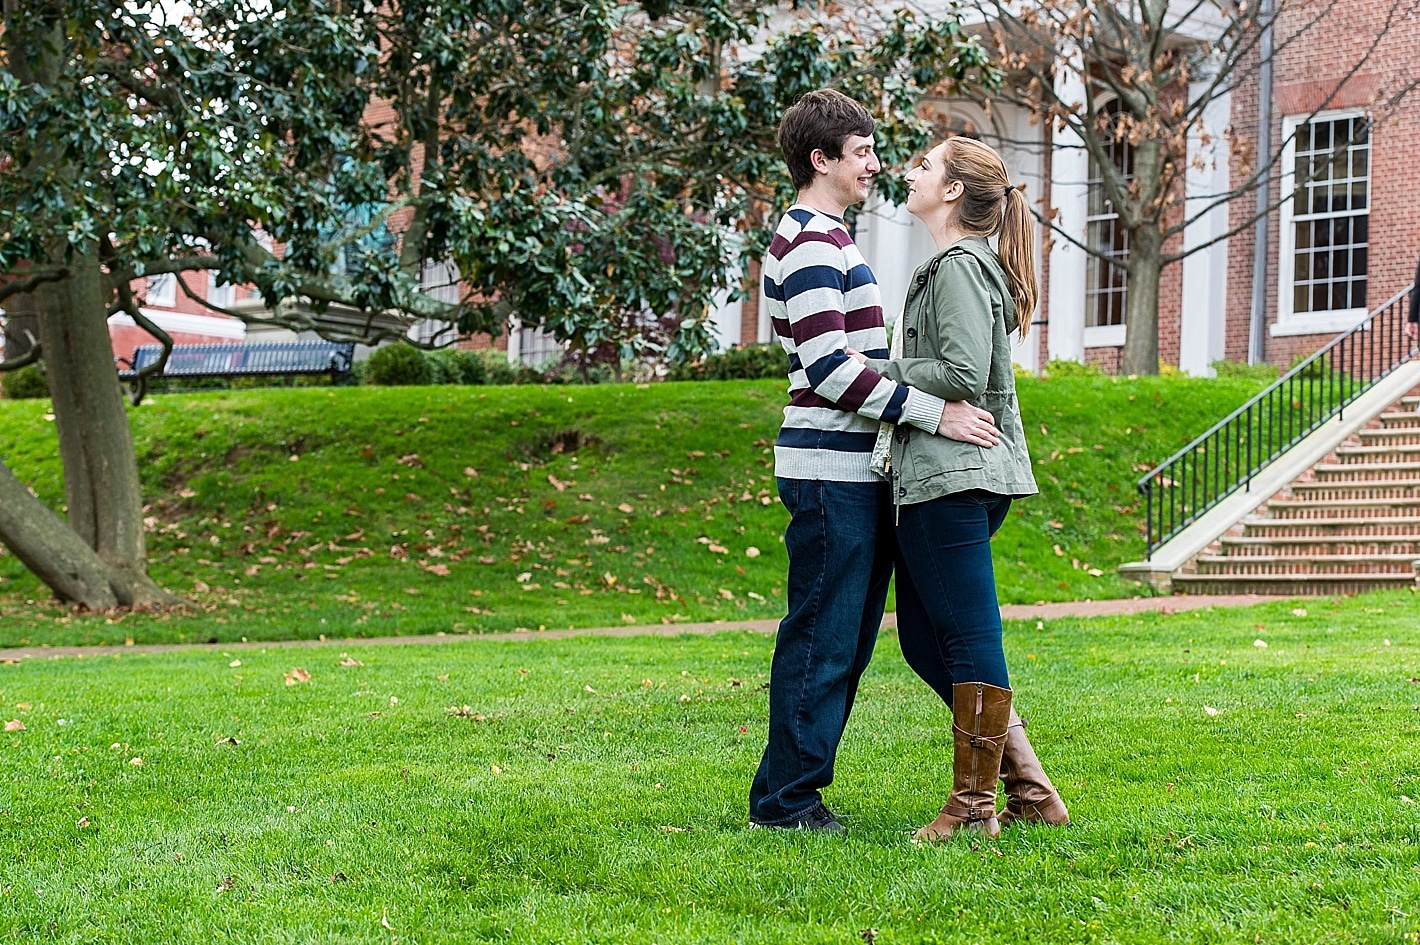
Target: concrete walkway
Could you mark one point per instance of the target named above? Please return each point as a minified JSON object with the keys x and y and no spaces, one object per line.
{"x":1087,"y":608}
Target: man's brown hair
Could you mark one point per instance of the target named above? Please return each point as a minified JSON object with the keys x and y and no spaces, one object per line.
{"x":820,"y":121}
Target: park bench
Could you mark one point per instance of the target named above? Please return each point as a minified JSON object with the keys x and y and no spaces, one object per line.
{"x":274,"y":359}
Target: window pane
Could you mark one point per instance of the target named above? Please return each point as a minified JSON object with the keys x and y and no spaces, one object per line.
{"x":1358,"y":293}
{"x":1301,"y":298}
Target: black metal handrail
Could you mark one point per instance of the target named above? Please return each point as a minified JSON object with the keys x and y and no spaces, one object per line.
{"x":1236,"y":448}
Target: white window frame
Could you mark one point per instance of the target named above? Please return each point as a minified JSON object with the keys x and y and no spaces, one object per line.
{"x":1099,"y":336}
{"x":1309,"y":323}
{"x":161,"y":290}
{"x":219,"y":293}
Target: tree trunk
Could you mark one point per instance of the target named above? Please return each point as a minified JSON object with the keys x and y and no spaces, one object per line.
{"x":50,"y":549}
{"x":1141,"y":303}
{"x":95,"y":443}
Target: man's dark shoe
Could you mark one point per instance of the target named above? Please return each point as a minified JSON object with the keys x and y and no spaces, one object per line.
{"x":819,"y":819}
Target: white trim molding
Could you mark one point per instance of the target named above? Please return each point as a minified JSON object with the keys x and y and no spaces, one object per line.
{"x":213,"y":326}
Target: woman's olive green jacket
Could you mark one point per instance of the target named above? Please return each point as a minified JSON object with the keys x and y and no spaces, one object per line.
{"x":956,"y":344}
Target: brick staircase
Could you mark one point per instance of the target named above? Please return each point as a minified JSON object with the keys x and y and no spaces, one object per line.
{"x":1349,"y":524}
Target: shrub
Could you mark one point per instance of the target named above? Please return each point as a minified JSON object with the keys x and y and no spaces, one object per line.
{"x":748,"y":362}
{"x":1071,"y":369}
{"x":452,"y":366}
{"x":28,"y":383}
{"x":1241,"y":369}
{"x":399,"y":365}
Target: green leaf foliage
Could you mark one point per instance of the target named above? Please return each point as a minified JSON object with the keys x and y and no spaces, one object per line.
{"x":595,"y":167}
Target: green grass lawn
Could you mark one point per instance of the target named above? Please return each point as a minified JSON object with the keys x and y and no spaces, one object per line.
{"x":379,"y":511}
{"x":594,"y":791}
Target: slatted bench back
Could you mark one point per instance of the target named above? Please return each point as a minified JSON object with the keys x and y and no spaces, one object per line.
{"x":302,"y":357}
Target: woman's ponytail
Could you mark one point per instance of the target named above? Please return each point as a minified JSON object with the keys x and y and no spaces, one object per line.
{"x":1017,"y":253}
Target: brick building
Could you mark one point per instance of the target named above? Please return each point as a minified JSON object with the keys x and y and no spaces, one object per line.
{"x":1323,"y":270}
{"x":1331,"y":258}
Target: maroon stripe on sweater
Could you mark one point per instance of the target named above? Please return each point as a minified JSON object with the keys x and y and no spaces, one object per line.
{"x":780,"y":247}
{"x":862,"y":319}
{"x":805,"y":397}
{"x":819,"y":323}
{"x":860,"y":390}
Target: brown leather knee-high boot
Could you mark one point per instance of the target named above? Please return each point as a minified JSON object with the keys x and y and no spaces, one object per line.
{"x":1030,"y":797}
{"x":980,"y":716}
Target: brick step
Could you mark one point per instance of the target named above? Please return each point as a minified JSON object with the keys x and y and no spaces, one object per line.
{"x":1400,"y":421}
{"x":1392,"y":439}
{"x":1343,"y":508}
{"x":1375,"y":490}
{"x":1289,"y":585}
{"x":1305,"y":564}
{"x":1240,"y":546}
{"x":1400,"y":528}
{"x":1365,"y":472}
{"x":1383,"y":454}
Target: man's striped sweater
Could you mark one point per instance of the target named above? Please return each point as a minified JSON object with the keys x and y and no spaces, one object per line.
{"x":822,"y":299}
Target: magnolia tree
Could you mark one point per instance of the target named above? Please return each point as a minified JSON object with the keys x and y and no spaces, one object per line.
{"x":585,"y":165}
{"x":1160,"y":65}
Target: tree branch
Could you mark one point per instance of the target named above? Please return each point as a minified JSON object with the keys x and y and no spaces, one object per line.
{"x":22,"y":284}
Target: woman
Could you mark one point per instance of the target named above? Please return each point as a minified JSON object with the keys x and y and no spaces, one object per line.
{"x":953,"y":341}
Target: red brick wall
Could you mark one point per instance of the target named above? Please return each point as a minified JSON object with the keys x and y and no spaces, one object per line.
{"x":1305,"y":74}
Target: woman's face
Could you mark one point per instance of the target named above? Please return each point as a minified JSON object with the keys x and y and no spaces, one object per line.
{"x":926,"y":183}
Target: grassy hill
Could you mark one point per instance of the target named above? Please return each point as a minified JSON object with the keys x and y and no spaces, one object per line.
{"x":294,"y":513}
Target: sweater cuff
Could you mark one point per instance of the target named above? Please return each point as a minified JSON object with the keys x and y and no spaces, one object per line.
{"x":923,"y":410}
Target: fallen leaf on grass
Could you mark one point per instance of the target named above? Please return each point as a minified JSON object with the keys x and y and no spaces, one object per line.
{"x":136,"y":762}
{"x":229,"y":740}
{"x":751,"y":552}
{"x":384,"y":913}
{"x":349,"y":661}
{"x":470,"y":472}
{"x":441,"y":570}
{"x":465,"y":712}
{"x":625,"y":507}
{"x":558,"y":484}
{"x":1299,"y":611}
{"x":669,"y":829}
{"x":14,"y":725}
{"x":718,"y":549}
{"x":1059,"y":552}
{"x":297,"y":675}
{"x":1260,"y":644}
{"x":1210,"y":710}
{"x":226,"y":884}
{"x":82,"y":822}
{"x":235,"y":663}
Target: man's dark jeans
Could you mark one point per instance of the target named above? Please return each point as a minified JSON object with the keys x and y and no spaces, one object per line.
{"x":840,"y":546}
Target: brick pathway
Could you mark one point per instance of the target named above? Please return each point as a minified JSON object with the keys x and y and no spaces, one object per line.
{"x":1087,"y":608}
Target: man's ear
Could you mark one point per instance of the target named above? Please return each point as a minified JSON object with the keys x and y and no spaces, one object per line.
{"x":822,"y":162}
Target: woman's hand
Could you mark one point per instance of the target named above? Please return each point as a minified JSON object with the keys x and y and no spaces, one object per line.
{"x":857,"y":356}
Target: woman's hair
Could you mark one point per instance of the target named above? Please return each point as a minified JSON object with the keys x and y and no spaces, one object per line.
{"x":990,"y":205}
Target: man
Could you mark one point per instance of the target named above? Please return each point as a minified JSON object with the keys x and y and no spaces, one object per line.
{"x":1412,"y":321}
{"x":823,"y":299}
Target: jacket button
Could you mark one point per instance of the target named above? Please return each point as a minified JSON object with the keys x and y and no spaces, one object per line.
{"x":902,"y":436}
{"x":902,"y":491}
{"x":912,"y":332}
{"x":921,"y":280}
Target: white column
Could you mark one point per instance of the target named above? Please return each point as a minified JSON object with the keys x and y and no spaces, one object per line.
{"x":1069,"y":194}
{"x":1205,"y":272}
{"x":884,"y":236}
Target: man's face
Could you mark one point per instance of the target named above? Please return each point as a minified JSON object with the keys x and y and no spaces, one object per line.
{"x":850,"y":178}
